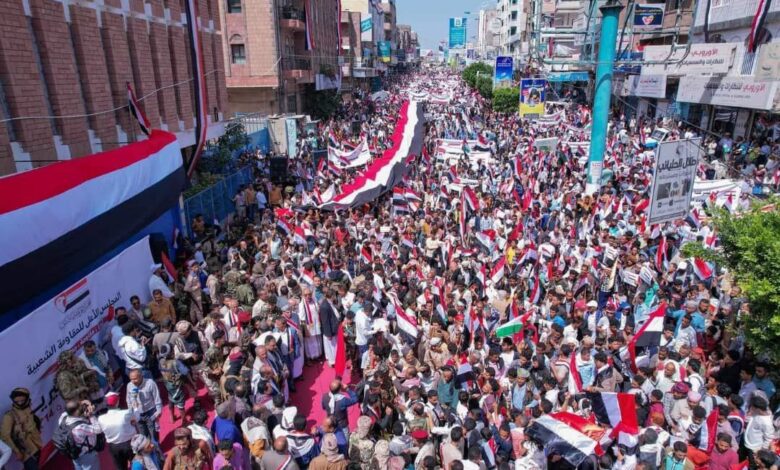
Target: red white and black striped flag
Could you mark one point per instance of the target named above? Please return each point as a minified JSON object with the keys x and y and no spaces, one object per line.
{"x":757,"y":24}
{"x":132,"y":102}
{"x":198,"y":83}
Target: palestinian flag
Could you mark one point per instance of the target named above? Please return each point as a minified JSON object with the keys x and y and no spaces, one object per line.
{"x":59,"y":219}
{"x":512,"y":327}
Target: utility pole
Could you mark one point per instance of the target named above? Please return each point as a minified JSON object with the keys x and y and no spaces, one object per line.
{"x":603,"y":93}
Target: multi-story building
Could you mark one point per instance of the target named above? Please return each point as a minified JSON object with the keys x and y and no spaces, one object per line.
{"x":390,"y":30}
{"x":407,"y":44}
{"x":512,"y":37}
{"x":488,"y":32}
{"x":268,"y":66}
{"x":64,"y":69}
{"x":364,"y":49}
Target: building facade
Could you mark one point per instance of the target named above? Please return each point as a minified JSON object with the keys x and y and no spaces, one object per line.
{"x":513,"y":38}
{"x":269,"y":68}
{"x":488,"y":31}
{"x":64,"y":69}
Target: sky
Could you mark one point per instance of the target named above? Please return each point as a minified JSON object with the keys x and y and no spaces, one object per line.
{"x":430,"y":18}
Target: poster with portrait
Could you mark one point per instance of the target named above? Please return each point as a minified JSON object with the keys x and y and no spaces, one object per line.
{"x":675,"y":170}
{"x":532,"y":96}
{"x":648,"y":16}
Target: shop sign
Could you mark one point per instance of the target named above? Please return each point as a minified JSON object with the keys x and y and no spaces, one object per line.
{"x":738,"y":92}
{"x":648,"y":86}
{"x":702,"y":58}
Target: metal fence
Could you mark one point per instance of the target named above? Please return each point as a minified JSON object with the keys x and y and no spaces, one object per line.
{"x":216,"y":202}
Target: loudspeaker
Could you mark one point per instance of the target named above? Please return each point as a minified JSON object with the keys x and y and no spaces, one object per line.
{"x":278,"y":167}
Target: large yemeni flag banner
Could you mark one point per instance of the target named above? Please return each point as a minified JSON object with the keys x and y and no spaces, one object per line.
{"x":570,"y":436}
{"x":389,"y":169}
{"x":59,"y":218}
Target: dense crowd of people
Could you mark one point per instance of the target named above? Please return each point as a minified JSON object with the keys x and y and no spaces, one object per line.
{"x":491,"y":293}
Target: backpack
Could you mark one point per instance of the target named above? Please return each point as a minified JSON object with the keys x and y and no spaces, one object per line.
{"x":64,"y":442}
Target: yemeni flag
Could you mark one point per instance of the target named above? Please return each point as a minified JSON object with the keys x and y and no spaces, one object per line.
{"x":536,"y":292}
{"x":482,"y":275}
{"x":527,"y":199}
{"x":575,"y":380}
{"x":757,"y":24}
{"x":517,"y":232}
{"x":407,"y":321}
{"x":618,"y":410}
{"x":169,"y":267}
{"x":284,"y":227}
{"x":702,"y":269}
{"x":135,"y":110}
{"x":693,"y":218}
{"x":340,"y":362}
{"x":299,"y":237}
{"x":497,"y":273}
{"x":462,"y":218}
{"x":487,"y":238}
{"x":452,"y":175}
{"x":660,"y":255}
{"x":309,"y":14}
{"x":649,"y":334}
{"x":365,"y":255}
{"x":572,"y":437}
{"x":471,"y":198}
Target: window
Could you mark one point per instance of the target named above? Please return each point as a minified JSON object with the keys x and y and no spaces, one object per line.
{"x":237,"y":54}
{"x":514,"y":14}
{"x":292,"y":104}
{"x":234,"y":6}
{"x":513,"y":30}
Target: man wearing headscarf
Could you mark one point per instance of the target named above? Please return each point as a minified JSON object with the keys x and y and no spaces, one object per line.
{"x":361,"y":446}
{"x":302,"y":444}
{"x":330,"y":458}
{"x":286,"y":423}
{"x":21,"y":429}
{"x":426,"y":448}
{"x":145,"y":455}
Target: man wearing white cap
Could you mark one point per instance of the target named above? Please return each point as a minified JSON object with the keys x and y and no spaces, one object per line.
{"x":156,"y":282}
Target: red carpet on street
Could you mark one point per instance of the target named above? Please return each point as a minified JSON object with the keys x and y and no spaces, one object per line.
{"x":310,"y":387}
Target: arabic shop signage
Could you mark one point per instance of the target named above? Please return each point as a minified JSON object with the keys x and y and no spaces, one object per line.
{"x":738,"y":92}
{"x":649,"y":86}
{"x":702,"y":58}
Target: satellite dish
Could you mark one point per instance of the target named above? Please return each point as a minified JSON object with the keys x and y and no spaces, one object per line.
{"x":495,"y":25}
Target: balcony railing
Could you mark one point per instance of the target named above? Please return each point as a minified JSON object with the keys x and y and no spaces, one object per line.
{"x":296,"y":63}
{"x":292,"y":13}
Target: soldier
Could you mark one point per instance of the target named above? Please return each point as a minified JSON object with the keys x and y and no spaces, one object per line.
{"x":214,"y":360}
{"x":174,"y":382}
{"x":74,"y":380}
{"x":361,"y":447}
{"x":21,"y":429}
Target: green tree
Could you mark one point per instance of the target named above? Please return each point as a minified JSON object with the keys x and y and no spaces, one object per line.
{"x":506,"y":100}
{"x":474,"y":70}
{"x":322,"y":104}
{"x":750,"y":249}
{"x":484,"y":86}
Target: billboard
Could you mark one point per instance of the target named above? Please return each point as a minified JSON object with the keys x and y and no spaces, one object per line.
{"x":502,"y":73}
{"x":675,"y":169}
{"x":649,"y":86}
{"x":648,"y":16}
{"x":457,"y":32}
{"x":384,"y":50}
{"x":738,"y":92}
{"x":366,"y":29}
{"x":532,"y":96}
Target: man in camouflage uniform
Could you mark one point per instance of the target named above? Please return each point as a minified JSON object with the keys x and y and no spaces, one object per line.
{"x":213,"y":362}
{"x":74,"y":380}
{"x":244,"y":294}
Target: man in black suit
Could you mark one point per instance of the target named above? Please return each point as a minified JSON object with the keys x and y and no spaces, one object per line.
{"x":329,"y":319}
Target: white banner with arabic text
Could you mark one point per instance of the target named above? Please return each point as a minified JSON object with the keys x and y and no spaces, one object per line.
{"x":66,"y":322}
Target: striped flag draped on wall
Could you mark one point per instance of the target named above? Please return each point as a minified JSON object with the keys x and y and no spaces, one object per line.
{"x":309,"y":13}
{"x":198,"y":83}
